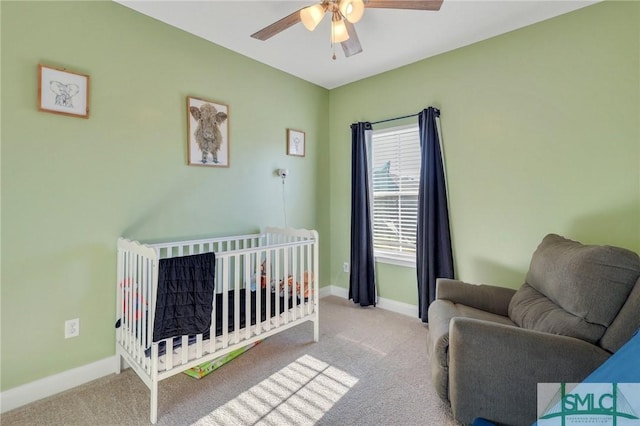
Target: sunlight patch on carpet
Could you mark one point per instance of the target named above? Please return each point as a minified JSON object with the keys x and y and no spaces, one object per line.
{"x":301,"y":393}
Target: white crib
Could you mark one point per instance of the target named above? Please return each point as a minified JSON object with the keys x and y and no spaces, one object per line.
{"x":287,"y":259}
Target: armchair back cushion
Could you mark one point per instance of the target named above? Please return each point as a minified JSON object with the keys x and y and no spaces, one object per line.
{"x":573,"y":289}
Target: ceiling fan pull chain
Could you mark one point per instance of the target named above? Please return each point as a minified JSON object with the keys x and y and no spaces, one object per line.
{"x":333,"y":45}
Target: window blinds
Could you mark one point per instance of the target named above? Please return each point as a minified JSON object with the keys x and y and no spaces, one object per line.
{"x":395,"y":178}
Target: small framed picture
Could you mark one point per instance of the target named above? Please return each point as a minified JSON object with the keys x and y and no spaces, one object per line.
{"x":207,"y":133}
{"x":295,"y":142}
{"x":61,"y":91}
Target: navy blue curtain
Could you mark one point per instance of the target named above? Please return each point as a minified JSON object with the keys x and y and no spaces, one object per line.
{"x":362,"y":281}
{"x":434,"y":258}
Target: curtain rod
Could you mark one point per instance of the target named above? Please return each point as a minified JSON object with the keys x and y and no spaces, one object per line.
{"x":404,"y":116}
{"x":395,"y":118}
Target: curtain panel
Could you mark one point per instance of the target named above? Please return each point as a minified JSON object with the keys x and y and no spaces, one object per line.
{"x":362,"y":282}
{"x":434,"y":257}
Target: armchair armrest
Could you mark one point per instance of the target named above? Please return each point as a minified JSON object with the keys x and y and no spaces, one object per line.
{"x":494,"y":369}
{"x":488,"y":298}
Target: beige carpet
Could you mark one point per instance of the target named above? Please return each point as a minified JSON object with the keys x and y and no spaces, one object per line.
{"x":369,"y":368}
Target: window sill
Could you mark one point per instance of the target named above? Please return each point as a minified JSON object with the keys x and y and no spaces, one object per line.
{"x":406,"y":261}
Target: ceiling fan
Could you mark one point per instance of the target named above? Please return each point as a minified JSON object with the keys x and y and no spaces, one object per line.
{"x":344,"y":13}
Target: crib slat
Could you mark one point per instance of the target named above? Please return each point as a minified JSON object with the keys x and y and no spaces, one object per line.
{"x":136,"y":277}
{"x":153,"y":265}
{"x":148,"y":317}
{"x":267,"y":323}
{"x":247,"y":294}
{"x":277,"y":275}
{"x":119,"y":301}
{"x":236,"y":300}
{"x":258,"y":306}
{"x":141,"y":282}
{"x":285,"y":278}
{"x":214,"y":323}
{"x":225,"y":301}
{"x":134,"y":303}
{"x":168,"y":354}
{"x":125,"y":321}
{"x":294,"y":270}
{"x":199,"y":346}
{"x":124,"y":338}
{"x":185,"y":349}
{"x":308,"y":281}
{"x":130,"y":325}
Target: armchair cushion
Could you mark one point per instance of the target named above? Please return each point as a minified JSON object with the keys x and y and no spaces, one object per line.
{"x":530,"y":309}
{"x":573,"y":289}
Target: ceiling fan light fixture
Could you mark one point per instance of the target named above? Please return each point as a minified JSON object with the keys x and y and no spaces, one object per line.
{"x":311,"y":16}
{"x":338,"y":31}
{"x":352,"y":10}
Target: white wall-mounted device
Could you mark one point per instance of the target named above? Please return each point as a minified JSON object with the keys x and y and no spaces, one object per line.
{"x":283,"y":173}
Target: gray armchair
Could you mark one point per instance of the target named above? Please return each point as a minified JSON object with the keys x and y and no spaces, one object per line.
{"x":490,"y":346}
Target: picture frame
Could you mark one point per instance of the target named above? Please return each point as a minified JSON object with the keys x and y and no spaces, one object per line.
{"x":208,"y":141}
{"x":62,"y":91}
{"x":295,"y":142}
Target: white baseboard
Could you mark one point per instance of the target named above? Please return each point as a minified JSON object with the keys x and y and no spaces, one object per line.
{"x":334,"y":290}
{"x":30,"y":392}
{"x":39,"y":389}
{"x":383,"y":303}
{"x":399,"y":307}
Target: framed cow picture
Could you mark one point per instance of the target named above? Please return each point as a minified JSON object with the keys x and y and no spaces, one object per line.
{"x":207,"y":133}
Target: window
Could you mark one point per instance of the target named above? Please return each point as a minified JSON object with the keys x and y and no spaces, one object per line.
{"x":395,"y":176}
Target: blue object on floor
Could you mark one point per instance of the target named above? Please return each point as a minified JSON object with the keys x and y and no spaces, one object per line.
{"x":482,"y":422}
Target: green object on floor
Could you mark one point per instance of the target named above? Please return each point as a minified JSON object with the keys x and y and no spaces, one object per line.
{"x":209,"y":367}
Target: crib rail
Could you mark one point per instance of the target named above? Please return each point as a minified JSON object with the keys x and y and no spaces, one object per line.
{"x":207,"y":245}
{"x":273,"y":276}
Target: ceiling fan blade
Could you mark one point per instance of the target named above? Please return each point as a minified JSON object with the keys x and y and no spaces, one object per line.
{"x":278,"y":26}
{"x":405,"y":4}
{"x":352,"y":45}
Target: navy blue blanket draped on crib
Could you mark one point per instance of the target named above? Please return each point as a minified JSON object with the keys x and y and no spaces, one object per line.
{"x":185,"y":295}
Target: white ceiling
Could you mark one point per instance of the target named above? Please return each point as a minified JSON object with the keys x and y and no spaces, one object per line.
{"x":390,"y":38}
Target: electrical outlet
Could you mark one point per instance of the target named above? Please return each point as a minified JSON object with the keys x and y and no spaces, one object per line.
{"x":345,"y":266}
{"x":71,"y":328}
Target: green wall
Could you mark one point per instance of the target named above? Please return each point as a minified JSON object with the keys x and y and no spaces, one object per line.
{"x":71,"y":187}
{"x":541,"y":133}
